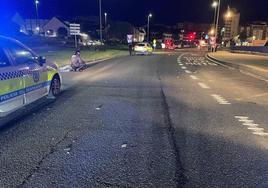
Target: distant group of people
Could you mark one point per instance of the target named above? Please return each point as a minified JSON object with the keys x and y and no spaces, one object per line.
{"x":77,"y":63}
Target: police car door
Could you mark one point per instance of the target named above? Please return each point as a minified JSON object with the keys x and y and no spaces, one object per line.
{"x":35,"y":75}
{"x":11,"y":85}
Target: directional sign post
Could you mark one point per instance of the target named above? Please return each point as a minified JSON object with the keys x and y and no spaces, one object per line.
{"x":74,"y":31}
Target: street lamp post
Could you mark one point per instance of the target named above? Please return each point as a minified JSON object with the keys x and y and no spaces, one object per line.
{"x":105,"y":14}
{"x":37,"y":16}
{"x":214,"y":5}
{"x":100,"y":21}
{"x":217,"y":22}
{"x":148,"y":27}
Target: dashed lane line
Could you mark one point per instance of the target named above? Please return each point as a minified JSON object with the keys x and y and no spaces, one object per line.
{"x":188,"y":72}
{"x":194,"y":77}
{"x":204,"y":86}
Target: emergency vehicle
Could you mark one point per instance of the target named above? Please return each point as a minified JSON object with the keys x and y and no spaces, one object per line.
{"x":24,"y":76}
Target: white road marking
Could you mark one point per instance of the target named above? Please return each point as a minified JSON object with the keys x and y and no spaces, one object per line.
{"x":241,"y":117}
{"x":251,"y":124}
{"x":183,"y":67}
{"x":254,"y":127}
{"x":220,"y":99}
{"x":188,"y":72}
{"x":260,"y":133}
{"x":204,"y":86}
{"x":246,"y":120}
{"x":194,"y":77}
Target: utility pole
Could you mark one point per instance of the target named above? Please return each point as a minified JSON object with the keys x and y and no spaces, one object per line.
{"x":100,"y":22}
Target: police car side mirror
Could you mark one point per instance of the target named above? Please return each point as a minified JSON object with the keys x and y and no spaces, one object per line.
{"x":41,"y":60}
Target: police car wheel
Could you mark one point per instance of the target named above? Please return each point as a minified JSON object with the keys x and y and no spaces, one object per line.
{"x":55,"y":87}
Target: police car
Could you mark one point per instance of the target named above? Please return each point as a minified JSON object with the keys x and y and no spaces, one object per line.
{"x":143,"y":48}
{"x":24,"y":76}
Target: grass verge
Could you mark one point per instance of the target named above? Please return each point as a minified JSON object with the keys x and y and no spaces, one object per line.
{"x":62,"y":57}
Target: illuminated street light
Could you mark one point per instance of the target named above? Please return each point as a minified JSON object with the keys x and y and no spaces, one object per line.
{"x":214,"y":4}
{"x":148,"y":27}
{"x":228,"y":14}
{"x":212,"y":32}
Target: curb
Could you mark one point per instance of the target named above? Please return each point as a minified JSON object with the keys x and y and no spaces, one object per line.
{"x":241,"y":68}
{"x":67,"y":68}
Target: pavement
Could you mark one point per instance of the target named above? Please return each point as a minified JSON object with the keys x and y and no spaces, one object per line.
{"x":170,"y":120}
{"x":249,"y":63}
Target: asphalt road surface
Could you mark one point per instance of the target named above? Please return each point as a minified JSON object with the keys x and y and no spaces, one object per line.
{"x":166,"y":120}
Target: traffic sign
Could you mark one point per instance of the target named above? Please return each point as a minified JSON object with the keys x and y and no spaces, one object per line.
{"x":75,"y":29}
{"x":129,"y":39}
{"x":212,"y":40}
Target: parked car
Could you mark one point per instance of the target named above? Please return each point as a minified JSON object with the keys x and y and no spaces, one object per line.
{"x":143,"y":48}
{"x":24,"y":76}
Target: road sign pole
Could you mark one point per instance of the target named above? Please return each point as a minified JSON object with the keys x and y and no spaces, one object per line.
{"x":75,"y":30}
{"x":75,"y":41}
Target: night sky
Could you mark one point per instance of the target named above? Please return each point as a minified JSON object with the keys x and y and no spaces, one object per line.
{"x":135,"y":11}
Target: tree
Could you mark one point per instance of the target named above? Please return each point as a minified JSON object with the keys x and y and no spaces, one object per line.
{"x":243,"y":36}
{"x":119,"y":30}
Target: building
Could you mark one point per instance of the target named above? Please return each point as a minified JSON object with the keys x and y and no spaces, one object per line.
{"x":231,"y":26}
{"x":199,"y":29}
{"x":48,"y":27}
{"x":56,"y":28}
{"x":257,"y":30}
{"x":139,"y":34}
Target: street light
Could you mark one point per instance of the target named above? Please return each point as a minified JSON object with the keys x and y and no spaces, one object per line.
{"x":229,"y":13}
{"x":105,"y":28}
{"x":148,"y":27}
{"x":37,"y":16}
{"x":100,"y":21}
{"x":214,"y":5}
{"x":217,"y":22}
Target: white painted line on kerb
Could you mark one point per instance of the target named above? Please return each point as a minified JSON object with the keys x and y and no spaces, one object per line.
{"x":194,"y":77}
{"x":188,"y":72}
{"x":202,"y":85}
